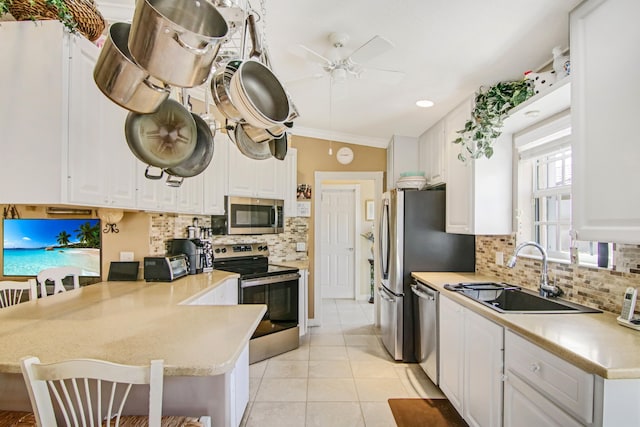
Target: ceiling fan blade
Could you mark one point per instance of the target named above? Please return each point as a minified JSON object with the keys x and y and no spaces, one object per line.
{"x":304,"y":79}
{"x":378,"y":75}
{"x":374,"y":47}
{"x":311,"y":55}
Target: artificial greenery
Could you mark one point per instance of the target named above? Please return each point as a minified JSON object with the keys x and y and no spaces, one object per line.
{"x":59,"y":7}
{"x":491,"y":107}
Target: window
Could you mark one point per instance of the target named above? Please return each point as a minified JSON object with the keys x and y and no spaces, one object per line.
{"x":543,"y":213}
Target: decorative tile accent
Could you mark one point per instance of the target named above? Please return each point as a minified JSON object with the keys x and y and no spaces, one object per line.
{"x":594,"y":287}
{"x":282,"y":247}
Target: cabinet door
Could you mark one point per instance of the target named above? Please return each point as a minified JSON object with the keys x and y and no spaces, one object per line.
{"x":154,"y":194}
{"x":451,"y":333}
{"x":525,"y":407}
{"x":268,"y":174}
{"x":290,"y":183}
{"x":303,"y":301}
{"x":437,"y":149}
{"x":216,"y":177}
{"x":483,"y":368}
{"x":101,"y":167}
{"x":606,"y":151}
{"x":459,"y":175}
{"x":242,"y":174}
{"x":33,"y":120}
{"x":189,"y":196}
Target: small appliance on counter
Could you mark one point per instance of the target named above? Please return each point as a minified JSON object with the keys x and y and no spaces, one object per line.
{"x":199,"y":253}
{"x":165,"y":268}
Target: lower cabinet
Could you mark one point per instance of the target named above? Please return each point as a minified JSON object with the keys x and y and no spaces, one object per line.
{"x":541,"y":386}
{"x":303,"y":301}
{"x":224,"y":294}
{"x":471,"y":354}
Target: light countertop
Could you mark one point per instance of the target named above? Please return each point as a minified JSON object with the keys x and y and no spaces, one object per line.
{"x":131,"y":323}
{"x":594,"y":342}
{"x":299,"y":264}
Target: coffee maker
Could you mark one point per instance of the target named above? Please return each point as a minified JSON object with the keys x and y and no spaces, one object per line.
{"x":199,"y":253}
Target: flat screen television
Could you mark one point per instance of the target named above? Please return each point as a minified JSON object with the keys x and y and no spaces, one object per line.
{"x":31,"y":245}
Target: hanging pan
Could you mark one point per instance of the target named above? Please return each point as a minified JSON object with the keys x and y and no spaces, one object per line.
{"x":199,"y":159}
{"x":278,"y":146}
{"x":163,"y":139}
{"x":247,"y":146}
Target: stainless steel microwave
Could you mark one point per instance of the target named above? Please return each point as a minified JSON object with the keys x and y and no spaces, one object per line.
{"x":247,"y":215}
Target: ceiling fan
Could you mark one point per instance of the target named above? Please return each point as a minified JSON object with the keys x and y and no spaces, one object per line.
{"x":339,"y":65}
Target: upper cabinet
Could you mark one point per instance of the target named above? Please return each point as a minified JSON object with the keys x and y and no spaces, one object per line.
{"x":216,"y":176}
{"x":33,"y":117}
{"x":402,"y":156}
{"x":606,"y":148}
{"x":478,"y":197}
{"x":101,"y":169}
{"x":432,"y":154}
{"x":255,"y":178}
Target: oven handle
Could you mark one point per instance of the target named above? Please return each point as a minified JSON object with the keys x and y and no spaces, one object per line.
{"x":246,"y":283}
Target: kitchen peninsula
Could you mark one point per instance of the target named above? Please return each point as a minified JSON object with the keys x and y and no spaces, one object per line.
{"x":204,"y":347}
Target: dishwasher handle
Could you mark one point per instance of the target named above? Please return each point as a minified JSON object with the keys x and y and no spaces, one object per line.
{"x":423,"y":292}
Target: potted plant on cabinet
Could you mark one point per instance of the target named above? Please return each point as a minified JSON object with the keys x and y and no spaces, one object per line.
{"x":76,"y":15}
{"x":491,"y":107}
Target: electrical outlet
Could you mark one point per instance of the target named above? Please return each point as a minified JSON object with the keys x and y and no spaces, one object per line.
{"x":301,"y":246}
{"x":126,"y":256}
{"x":499,"y":258}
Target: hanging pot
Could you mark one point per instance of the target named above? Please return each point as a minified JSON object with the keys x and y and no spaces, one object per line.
{"x":201,"y":156}
{"x":220,"y":87}
{"x":177,"y":42}
{"x":259,"y":95}
{"x":163,"y":139}
{"x":121,"y":80}
{"x":247,"y":146}
{"x":263,"y":135}
{"x":278,"y":146}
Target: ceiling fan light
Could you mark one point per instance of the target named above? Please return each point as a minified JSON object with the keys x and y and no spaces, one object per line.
{"x":339,"y":75}
{"x":424,"y":103}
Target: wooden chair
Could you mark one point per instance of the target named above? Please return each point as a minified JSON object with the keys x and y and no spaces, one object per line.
{"x":56,"y":274}
{"x":11,"y":292}
{"x":89,"y":392}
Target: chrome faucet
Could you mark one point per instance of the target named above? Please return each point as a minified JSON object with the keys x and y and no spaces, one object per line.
{"x":545,"y":289}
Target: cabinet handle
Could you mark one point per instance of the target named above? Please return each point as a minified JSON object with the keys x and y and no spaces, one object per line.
{"x":534,"y":367}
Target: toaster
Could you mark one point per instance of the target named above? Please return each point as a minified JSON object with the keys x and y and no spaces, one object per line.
{"x":165,"y":268}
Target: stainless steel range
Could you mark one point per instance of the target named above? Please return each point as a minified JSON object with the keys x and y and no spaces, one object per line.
{"x":263,"y":283}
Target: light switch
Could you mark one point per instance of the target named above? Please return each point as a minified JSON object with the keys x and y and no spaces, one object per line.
{"x":126,"y":256}
{"x":499,"y":258}
{"x":301,"y":246}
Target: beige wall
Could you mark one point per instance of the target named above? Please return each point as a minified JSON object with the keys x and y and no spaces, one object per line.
{"x":133,"y":235}
{"x":313,"y":157}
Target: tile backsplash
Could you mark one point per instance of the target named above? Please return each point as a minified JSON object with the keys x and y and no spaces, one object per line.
{"x":282,"y":246}
{"x":595,"y":287}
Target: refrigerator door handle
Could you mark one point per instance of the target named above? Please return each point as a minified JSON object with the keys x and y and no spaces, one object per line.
{"x":384,"y":242}
{"x":383,"y":295}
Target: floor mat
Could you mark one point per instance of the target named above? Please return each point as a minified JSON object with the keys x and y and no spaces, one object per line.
{"x":425,"y":413}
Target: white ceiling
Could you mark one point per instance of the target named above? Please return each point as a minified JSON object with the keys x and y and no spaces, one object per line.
{"x":446,"y":48}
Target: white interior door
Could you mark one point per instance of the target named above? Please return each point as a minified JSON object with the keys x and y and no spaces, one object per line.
{"x":337,"y":241}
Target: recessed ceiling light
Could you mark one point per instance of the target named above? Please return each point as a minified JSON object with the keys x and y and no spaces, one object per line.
{"x":424,"y":103}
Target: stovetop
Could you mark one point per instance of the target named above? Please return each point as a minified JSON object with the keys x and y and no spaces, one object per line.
{"x":250,"y":260}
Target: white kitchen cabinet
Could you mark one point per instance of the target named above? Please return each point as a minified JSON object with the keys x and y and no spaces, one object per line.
{"x":154,"y":194}
{"x":216,"y":176}
{"x":34,"y":111}
{"x":471,"y":363}
{"x":432,"y":154}
{"x":255,"y":178}
{"x":101,"y":170}
{"x":478,"y":199}
{"x":291,"y":183}
{"x":402,"y":156}
{"x":451,"y":333}
{"x":225,"y":293}
{"x":605,"y":146}
{"x":190,"y":195}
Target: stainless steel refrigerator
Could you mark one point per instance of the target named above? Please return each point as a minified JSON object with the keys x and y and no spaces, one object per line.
{"x":413,"y":238}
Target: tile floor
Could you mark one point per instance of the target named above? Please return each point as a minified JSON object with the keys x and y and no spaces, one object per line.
{"x":341,"y":375}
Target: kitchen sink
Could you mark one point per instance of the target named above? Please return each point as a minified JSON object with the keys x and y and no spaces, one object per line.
{"x":506,"y":298}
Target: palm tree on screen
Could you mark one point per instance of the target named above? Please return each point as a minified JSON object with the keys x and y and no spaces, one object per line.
{"x":63,"y":238}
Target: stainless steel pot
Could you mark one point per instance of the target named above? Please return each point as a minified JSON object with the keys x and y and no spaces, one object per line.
{"x":201,"y":156}
{"x":121,"y":80}
{"x":262,"y":135}
{"x":279,"y":146}
{"x":163,"y":139}
{"x":177,"y":41}
{"x":247,"y":146}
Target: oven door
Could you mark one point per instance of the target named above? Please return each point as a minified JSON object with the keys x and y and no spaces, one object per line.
{"x":279,"y":294}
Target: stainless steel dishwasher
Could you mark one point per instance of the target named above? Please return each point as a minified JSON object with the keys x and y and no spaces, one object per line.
{"x":426,"y":329}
